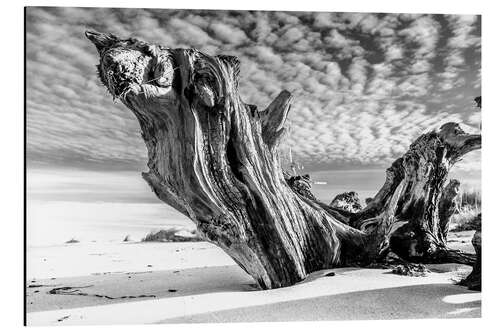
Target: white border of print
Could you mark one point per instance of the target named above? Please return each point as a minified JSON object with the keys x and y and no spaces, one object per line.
{"x":12,"y":161}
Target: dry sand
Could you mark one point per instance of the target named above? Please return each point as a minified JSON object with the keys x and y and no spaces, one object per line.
{"x":138,"y":283}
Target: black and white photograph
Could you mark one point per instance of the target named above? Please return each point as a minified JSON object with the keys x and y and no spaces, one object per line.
{"x":236,"y":166}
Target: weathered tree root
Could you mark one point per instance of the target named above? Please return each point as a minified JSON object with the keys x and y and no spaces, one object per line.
{"x":215,"y":159}
{"x":473,"y":281}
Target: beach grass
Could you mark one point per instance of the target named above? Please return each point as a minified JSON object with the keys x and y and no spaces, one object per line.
{"x":468,"y":212}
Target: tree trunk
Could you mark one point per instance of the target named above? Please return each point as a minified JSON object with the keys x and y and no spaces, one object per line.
{"x":410,"y":214}
{"x":473,"y":281}
{"x":448,"y":206}
{"x":215,"y":159}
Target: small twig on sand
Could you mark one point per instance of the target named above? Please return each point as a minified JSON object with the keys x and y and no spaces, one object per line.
{"x":75,"y":291}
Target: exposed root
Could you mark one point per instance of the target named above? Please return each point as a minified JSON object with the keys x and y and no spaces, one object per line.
{"x":472,"y":282}
{"x":443,"y":256}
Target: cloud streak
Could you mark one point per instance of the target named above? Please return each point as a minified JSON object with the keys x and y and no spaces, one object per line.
{"x":365,"y":85}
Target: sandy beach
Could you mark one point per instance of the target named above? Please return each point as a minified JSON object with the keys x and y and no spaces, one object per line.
{"x":141,"y":283}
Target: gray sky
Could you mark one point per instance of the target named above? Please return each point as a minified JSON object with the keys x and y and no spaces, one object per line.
{"x":365,"y":86}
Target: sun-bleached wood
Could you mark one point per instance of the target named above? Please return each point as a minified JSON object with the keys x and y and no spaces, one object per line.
{"x":215,"y":159}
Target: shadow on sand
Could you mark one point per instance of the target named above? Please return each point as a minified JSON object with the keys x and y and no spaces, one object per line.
{"x":409,"y":302}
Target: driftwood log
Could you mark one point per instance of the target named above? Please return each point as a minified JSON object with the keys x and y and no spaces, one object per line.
{"x":348,"y":201}
{"x":215,"y":159}
{"x":473,"y":280}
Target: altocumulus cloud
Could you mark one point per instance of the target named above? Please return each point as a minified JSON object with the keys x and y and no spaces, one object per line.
{"x":365,"y":85}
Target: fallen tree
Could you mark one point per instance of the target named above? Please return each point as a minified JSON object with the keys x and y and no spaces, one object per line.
{"x":215,"y":159}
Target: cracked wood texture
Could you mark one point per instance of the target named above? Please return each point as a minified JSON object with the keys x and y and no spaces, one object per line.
{"x":215,"y":159}
{"x":410,"y":213}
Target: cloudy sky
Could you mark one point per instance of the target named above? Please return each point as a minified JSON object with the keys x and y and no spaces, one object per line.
{"x":365,"y":86}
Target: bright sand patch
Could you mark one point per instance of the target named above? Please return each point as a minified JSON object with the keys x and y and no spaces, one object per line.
{"x":197,"y":282}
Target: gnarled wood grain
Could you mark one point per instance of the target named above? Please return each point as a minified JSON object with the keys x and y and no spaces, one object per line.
{"x":214,"y":158}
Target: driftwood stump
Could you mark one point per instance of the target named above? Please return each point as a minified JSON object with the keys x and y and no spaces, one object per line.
{"x":473,"y":281}
{"x":348,"y":201}
{"x":215,"y":159}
